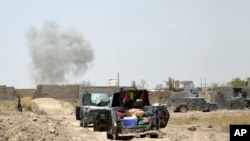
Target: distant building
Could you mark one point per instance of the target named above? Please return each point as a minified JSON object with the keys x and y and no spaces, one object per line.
{"x":159,"y":87}
{"x":113,"y":82}
{"x":184,"y":84}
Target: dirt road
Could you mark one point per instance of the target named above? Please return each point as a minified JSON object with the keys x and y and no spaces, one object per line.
{"x":59,"y":124}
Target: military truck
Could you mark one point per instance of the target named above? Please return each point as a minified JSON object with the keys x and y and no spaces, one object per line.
{"x":240,"y":94}
{"x":131,"y":114}
{"x":191,"y":99}
{"x":90,"y":104}
{"x":184,"y":104}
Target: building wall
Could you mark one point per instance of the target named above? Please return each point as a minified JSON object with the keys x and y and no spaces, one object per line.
{"x":57,"y":91}
{"x":71,"y":91}
{"x":26,"y":92}
{"x":6,"y":93}
{"x":98,"y":89}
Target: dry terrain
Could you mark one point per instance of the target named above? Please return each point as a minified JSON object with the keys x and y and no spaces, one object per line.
{"x":55,"y":120}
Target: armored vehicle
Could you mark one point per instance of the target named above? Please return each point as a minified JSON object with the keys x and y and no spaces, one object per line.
{"x":90,"y":104}
{"x":131,"y":114}
{"x":191,"y":99}
{"x":184,"y":104}
{"x":240,"y":94}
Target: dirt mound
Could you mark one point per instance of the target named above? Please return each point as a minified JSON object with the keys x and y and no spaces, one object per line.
{"x":57,"y":123}
{"x":54,"y":107}
{"x":29,"y":126}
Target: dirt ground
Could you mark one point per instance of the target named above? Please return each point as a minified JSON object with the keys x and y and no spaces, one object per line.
{"x":58,"y":123}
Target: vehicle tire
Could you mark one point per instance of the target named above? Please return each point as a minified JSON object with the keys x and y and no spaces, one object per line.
{"x":81,"y":122}
{"x":77,"y":110}
{"x":115,"y":136}
{"x":183,"y":109}
{"x":85,"y":124}
{"x":176,"y":110}
{"x":248,"y":104}
{"x":109,"y":136}
{"x":142,"y":136}
{"x":112,"y":137}
{"x":212,"y":108}
{"x":154,"y":136}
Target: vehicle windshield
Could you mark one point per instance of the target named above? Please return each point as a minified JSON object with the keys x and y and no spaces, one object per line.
{"x":99,"y":99}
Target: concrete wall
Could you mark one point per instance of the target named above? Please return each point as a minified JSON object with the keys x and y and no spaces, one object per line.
{"x":26,"y":92}
{"x":71,"y":91}
{"x":6,"y":93}
{"x":57,"y":91}
{"x":98,"y":89}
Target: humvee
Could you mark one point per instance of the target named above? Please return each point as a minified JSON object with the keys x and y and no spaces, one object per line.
{"x":240,"y":94}
{"x":90,"y":104}
{"x":118,"y":121}
{"x":183,"y":104}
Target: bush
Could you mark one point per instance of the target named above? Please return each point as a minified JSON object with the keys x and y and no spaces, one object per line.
{"x":7,"y":106}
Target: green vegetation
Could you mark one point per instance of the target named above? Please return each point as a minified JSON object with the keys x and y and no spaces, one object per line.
{"x":9,"y":106}
{"x":26,"y":103}
{"x":6,"y":106}
{"x":214,"y":85}
{"x":237,"y":82}
{"x":170,"y":84}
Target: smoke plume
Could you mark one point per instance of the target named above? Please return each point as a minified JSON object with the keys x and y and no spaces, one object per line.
{"x":57,"y":54}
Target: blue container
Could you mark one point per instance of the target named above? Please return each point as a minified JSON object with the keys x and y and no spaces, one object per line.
{"x":130,"y":121}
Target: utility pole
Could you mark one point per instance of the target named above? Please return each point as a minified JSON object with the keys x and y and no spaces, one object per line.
{"x":205,"y":82}
{"x":201,"y":82}
{"x":118,"y":80}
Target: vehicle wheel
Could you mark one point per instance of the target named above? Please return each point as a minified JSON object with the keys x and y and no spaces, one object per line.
{"x":183,"y":109}
{"x":81,"y":122}
{"x":154,"y":136}
{"x":176,"y":110}
{"x":112,"y":137}
{"x":85,"y":124}
{"x":142,"y":136}
{"x":212,"y":108}
{"x":115,"y":136}
{"x":109,"y":136}
{"x":77,"y":112}
{"x":248,"y":104}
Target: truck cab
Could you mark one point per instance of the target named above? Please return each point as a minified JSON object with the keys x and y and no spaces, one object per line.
{"x":90,"y":104}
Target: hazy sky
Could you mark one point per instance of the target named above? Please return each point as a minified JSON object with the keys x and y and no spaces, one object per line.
{"x":140,"y":39}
